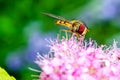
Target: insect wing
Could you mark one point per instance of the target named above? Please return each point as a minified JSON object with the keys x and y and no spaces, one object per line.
{"x":53,"y":16}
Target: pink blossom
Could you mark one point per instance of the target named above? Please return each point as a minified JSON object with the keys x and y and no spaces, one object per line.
{"x":73,"y":59}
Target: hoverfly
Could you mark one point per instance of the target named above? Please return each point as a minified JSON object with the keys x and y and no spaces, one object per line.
{"x":74,"y":26}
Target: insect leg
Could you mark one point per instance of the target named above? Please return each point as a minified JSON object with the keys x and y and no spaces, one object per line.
{"x":66,"y":31}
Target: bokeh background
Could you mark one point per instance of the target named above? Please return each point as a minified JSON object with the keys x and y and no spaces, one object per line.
{"x":24,"y":31}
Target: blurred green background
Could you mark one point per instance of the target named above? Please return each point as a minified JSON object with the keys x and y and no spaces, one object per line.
{"x":23,"y":29}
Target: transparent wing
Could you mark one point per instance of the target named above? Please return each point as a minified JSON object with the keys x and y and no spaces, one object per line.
{"x":53,"y":16}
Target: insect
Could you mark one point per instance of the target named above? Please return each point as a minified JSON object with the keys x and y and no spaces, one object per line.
{"x":74,"y":26}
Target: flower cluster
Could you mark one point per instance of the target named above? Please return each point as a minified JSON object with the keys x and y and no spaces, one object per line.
{"x":73,"y":59}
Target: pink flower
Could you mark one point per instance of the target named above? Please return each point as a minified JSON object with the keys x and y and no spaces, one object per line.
{"x":72,"y":59}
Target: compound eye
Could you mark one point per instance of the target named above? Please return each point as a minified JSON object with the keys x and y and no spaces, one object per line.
{"x":81,"y":28}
